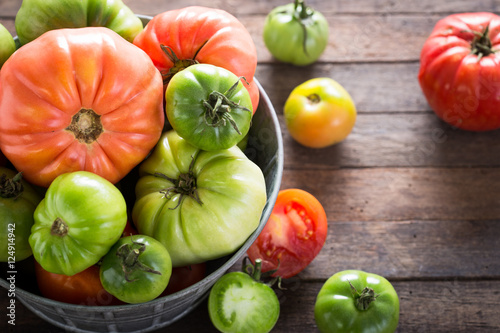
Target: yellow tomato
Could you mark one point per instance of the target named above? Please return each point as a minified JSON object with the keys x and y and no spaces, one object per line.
{"x":319,"y":113}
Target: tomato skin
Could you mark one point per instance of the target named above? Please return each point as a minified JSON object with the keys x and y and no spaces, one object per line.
{"x":7,"y":45}
{"x":460,"y":85}
{"x":229,"y":186}
{"x":16,"y":217}
{"x":319,"y":113}
{"x":36,"y":17}
{"x":80,"y":86}
{"x":80,"y":218}
{"x":186,"y":98}
{"x":295,"y":33}
{"x":84,"y":288}
{"x":186,"y":276}
{"x":293,"y":236}
{"x":237,"y":303}
{"x":142,"y":285}
{"x":207,"y":35}
{"x":335,"y":310}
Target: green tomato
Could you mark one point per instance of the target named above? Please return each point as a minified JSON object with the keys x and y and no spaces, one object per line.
{"x":295,"y":33}
{"x":78,"y":221}
{"x":18,"y":201}
{"x":200,"y":205}
{"x":356,"y":301}
{"x":137,"y":269}
{"x":208,"y":106}
{"x":240,"y":303}
{"x":36,"y":17}
{"x":7,"y":45}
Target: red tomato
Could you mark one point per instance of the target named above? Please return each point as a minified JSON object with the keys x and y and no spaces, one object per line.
{"x":185,"y":276}
{"x":129,"y":230}
{"x":203,"y":35}
{"x":93,"y":102}
{"x":460,"y":70}
{"x":83,"y":288}
{"x":293,"y":235}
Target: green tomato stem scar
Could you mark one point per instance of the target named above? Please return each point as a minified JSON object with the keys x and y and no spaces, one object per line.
{"x":11,"y":187}
{"x":218,"y":108}
{"x":59,"y":228}
{"x":314,"y":98}
{"x":129,"y":256}
{"x":364,"y":298}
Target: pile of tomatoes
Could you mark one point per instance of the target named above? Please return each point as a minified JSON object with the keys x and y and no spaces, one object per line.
{"x":122,"y":146}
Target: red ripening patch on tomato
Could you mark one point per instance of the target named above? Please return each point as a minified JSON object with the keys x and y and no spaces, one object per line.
{"x":293,"y":235}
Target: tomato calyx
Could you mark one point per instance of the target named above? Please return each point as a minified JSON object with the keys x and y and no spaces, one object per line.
{"x":178,"y":64}
{"x":11,"y":187}
{"x":185,"y":184}
{"x":86,"y":126}
{"x":59,"y":228}
{"x":481,"y":44}
{"x":129,"y":257}
{"x":255,"y":271}
{"x":303,"y":14}
{"x":364,"y":298}
{"x":218,"y":108}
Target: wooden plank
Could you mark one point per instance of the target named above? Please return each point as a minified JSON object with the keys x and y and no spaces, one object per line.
{"x":372,"y":86}
{"x":425,"y":306}
{"x":402,"y":194}
{"x":397,"y":140}
{"x":410,"y":250}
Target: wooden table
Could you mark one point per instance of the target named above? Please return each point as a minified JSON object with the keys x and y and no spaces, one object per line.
{"x":407,"y":196}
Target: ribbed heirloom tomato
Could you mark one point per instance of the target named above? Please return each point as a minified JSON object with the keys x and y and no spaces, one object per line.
{"x":460,"y":70}
{"x":179,"y":38}
{"x":79,"y":99}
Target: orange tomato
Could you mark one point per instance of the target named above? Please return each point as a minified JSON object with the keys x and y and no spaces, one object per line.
{"x":319,"y":113}
{"x":79,"y":99}
{"x":197,"y":34}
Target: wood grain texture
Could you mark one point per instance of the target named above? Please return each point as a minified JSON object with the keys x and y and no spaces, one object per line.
{"x":399,"y":194}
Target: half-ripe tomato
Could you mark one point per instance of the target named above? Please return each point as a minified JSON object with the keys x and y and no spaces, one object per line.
{"x":293,"y":235}
{"x":93,"y":102}
{"x":179,"y":38}
{"x":84,"y":288}
{"x":319,"y":113}
{"x":460,"y":70}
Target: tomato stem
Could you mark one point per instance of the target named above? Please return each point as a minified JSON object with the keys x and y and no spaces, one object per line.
{"x":218,"y":108}
{"x":364,"y":298}
{"x":303,"y":14}
{"x":11,"y":187}
{"x":178,"y":64}
{"x":481,"y":44}
{"x":255,"y":271}
{"x":185,"y":184}
{"x":129,"y":256}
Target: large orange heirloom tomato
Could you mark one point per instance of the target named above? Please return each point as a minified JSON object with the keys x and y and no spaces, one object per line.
{"x":179,"y":38}
{"x":79,"y":99}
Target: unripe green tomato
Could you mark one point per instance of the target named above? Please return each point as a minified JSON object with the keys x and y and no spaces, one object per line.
{"x":7,"y":45}
{"x":295,"y":33}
